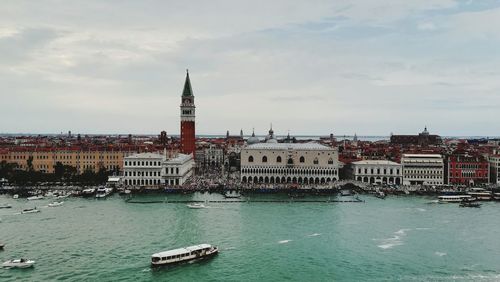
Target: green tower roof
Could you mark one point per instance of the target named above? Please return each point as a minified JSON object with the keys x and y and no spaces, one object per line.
{"x":188,"y":91}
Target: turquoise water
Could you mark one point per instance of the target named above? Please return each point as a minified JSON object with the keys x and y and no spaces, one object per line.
{"x":397,"y":239}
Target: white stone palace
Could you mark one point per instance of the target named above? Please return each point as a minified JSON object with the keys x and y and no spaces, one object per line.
{"x":143,"y":169}
{"x":302,"y":163}
{"x":377,"y":172}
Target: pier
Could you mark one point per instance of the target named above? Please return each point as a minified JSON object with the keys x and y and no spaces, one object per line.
{"x":131,"y":201}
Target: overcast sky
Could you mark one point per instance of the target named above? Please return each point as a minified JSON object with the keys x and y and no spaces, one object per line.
{"x":311,"y":67}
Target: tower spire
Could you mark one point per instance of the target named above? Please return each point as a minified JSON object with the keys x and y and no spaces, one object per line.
{"x":188,"y":91}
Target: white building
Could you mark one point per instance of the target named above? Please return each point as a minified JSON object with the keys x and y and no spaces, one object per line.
{"x":177,"y":170}
{"x":423,"y":169}
{"x":143,"y":169}
{"x":495,"y":169}
{"x":213,"y":157}
{"x":377,"y":172}
{"x":274,"y":162}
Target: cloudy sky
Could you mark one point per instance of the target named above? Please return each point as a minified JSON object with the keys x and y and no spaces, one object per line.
{"x":311,"y":67}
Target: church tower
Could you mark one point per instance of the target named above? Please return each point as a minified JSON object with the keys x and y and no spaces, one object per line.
{"x":187,"y":119}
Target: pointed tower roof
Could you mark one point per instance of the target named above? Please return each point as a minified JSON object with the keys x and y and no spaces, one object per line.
{"x":188,"y":91}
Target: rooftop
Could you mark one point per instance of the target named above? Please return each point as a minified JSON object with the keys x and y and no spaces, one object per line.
{"x":375,"y":162}
{"x":291,"y":146}
{"x":145,"y":156}
{"x":181,"y":250}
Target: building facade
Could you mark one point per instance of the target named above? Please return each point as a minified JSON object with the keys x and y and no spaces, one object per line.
{"x":178,"y":170}
{"x":301,"y":163}
{"x":468,"y":170}
{"x":143,"y":170}
{"x":422,"y":169}
{"x":45,"y":159}
{"x":377,"y":172}
{"x":188,"y":141}
{"x":422,"y":139}
{"x":494,"y":161}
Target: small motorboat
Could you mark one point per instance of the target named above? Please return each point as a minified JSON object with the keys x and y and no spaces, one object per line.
{"x":34,"y":210}
{"x":1,"y":245}
{"x":7,"y":206}
{"x":33,"y":198}
{"x":196,"y":206}
{"x":18,"y":263}
{"x":380,"y":195}
{"x":469,"y":204}
{"x":16,"y":196}
{"x":63,"y":196}
{"x":55,"y":204}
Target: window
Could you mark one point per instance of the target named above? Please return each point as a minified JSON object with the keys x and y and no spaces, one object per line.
{"x":278,"y":159}
{"x":264,"y":159}
{"x":316,"y":161}
{"x":250,"y":159}
{"x":302,"y":159}
{"x":330,"y":161}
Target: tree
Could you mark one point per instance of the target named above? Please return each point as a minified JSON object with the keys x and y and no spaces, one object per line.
{"x":29,"y":162}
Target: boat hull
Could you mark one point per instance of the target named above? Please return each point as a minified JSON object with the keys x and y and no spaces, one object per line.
{"x":208,"y":256}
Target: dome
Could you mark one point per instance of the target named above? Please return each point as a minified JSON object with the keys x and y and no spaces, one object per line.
{"x":253,"y":139}
{"x":272,"y":140}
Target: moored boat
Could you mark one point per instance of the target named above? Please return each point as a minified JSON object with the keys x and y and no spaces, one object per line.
{"x":480,"y":194}
{"x":1,"y":245}
{"x":6,"y":206}
{"x":196,"y":206}
{"x":88,"y":192}
{"x":56,"y":204}
{"x":33,"y":198}
{"x":103,"y":192}
{"x":33,"y":210}
{"x":469,"y":204}
{"x":18,"y":263}
{"x":16,"y":196}
{"x":183,"y":254}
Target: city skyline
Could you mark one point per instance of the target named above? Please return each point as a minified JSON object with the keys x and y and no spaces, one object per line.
{"x":346,"y":67}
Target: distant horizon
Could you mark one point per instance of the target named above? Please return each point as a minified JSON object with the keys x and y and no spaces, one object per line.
{"x":244,"y":135}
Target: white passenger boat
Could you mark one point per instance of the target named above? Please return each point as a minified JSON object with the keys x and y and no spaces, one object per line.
{"x":196,"y":206}
{"x":55,"y":204}
{"x":103,"y":192}
{"x":453,"y":198}
{"x":34,"y":210}
{"x":18,"y":263}
{"x":37,"y":197}
{"x":480,"y":194}
{"x":184,"y":254}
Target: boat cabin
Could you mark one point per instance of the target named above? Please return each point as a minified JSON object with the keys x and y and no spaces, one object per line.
{"x":183,"y":254}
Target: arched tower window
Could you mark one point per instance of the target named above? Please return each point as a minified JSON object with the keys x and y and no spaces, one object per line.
{"x":302,"y":159}
{"x":264,"y":159}
{"x":278,"y":159}
{"x":250,"y":159}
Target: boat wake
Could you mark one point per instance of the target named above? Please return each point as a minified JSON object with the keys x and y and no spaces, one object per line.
{"x":394,"y":241}
{"x":440,"y":254}
{"x":284,"y":241}
{"x":421,"y":209}
{"x":228,"y":249}
{"x":314,"y":235}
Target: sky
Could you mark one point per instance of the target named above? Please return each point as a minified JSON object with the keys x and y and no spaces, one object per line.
{"x":312,"y":67}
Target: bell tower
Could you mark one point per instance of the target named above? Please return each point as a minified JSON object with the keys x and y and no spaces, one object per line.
{"x":187,"y":118}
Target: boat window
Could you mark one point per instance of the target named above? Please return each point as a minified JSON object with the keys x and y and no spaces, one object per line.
{"x":164,"y":258}
{"x":155,"y":259}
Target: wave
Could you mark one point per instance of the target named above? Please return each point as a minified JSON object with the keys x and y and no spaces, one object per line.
{"x":284,"y":241}
{"x":440,"y":254}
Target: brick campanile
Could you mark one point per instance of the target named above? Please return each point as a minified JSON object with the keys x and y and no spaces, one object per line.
{"x":187,"y":119}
